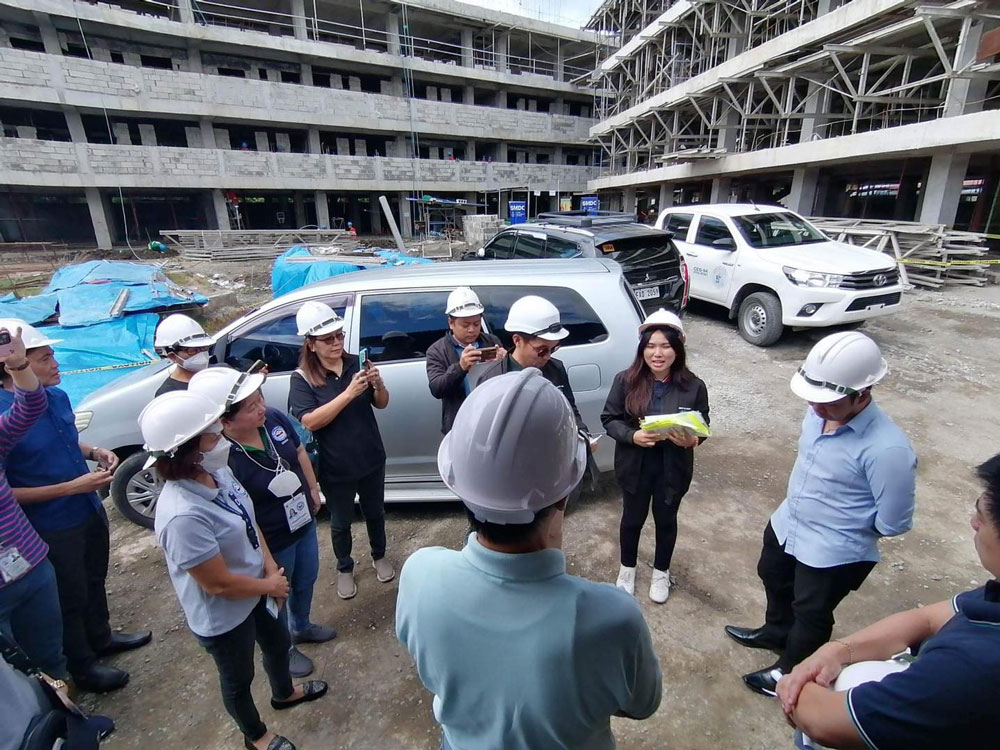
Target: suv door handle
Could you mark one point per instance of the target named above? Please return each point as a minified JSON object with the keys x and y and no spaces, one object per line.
{"x":728,"y":264}
{"x":693,"y":255}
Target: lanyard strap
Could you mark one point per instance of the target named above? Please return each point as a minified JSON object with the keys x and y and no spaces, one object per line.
{"x":240,"y":511}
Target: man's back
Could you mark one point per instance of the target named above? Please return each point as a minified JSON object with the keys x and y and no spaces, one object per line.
{"x":521,"y":655}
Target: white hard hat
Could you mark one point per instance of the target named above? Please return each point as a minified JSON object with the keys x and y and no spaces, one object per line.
{"x":31,"y":336}
{"x":867,"y":671}
{"x":224,"y":385}
{"x":463,"y":303}
{"x":170,"y":420}
{"x":180,"y":330}
{"x":535,"y":316}
{"x":662,"y":318}
{"x":317,"y":318}
{"x":837,"y":366}
{"x":514,"y":448}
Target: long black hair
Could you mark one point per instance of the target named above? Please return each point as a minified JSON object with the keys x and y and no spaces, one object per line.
{"x":639,"y":378}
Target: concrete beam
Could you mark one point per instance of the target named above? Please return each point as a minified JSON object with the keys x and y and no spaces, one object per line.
{"x":299,"y":19}
{"x":943,"y":189}
{"x":802,"y":198}
{"x":99,"y":218}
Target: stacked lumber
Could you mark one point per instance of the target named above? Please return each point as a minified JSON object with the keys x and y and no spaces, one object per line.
{"x":222,"y":245}
{"x":929,"y":255}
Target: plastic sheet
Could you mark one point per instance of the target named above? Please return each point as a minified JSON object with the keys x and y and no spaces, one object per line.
{"x":287,"y":277}
{"x":32,"y":310}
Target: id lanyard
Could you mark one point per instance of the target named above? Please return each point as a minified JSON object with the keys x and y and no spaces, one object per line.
{"x":240,"y":511}
{"x":284,"y":483}
{"x":272,"y":453}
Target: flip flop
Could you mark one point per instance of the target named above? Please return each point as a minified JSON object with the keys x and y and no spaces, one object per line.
{"x":312,"y":690}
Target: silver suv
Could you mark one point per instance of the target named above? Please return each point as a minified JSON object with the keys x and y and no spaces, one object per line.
{"x":396,"y":314}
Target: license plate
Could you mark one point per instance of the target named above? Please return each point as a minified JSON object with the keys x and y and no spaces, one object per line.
{"x":649,"y":292}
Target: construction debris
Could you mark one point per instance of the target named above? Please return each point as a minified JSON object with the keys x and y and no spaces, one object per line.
{"x":929,"y":255}
{"x":221,"y":245}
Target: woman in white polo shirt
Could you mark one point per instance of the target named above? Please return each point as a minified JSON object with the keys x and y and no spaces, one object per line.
{"x":227,"y":582}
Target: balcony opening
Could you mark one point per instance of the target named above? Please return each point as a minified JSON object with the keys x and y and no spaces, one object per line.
{"x":45,"y":125}
{"x":156,"y":61}
{"x":76,"y":50}
{"x":33,"y":45}
{"x":118,"y":57}
{"x":291,"y":76}
{"x":236,"y":72}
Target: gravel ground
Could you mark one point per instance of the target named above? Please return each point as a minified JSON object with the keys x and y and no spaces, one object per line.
{"x":942,"y":352}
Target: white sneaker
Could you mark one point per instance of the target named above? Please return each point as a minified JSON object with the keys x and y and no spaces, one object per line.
{"x":626,"y":579}
{"x":659,"y":587}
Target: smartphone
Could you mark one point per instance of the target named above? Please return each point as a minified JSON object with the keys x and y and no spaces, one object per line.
{"x":363,"y":360}
{"x":256,"y":367}
{"x":488,"y":353}
{"x":6,"y":347}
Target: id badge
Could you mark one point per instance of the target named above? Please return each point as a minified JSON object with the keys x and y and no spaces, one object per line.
{"x":12,"y":565}
{"x":284,"y":484}
{"x":297,"y":512}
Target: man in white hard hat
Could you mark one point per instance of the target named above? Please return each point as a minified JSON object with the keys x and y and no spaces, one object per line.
{"x":518,"y":653}
{"x":48,"y":473}
{"x":450,"y":358}
{"x":184,"y":342}
{"x":853,"y":482}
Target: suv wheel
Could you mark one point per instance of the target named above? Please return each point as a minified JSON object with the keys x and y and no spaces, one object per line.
{"x":135,"y":490}
{"x":760,"y":319}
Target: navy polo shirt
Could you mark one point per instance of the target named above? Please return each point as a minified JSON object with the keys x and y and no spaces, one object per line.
{"x":255,"y":469}
{"x":50,"y":454}
{"x":948,"y":696}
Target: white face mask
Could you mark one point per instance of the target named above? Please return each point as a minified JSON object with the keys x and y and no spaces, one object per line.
{"x":196,"y":362}
{"x":216,"y":458}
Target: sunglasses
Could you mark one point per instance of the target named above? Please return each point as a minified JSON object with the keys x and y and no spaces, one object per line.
{"x":333,"y":338}
{"x":544,"y":351}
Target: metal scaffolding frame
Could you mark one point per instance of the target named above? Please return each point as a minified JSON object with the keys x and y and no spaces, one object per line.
{"x":911,"y":65}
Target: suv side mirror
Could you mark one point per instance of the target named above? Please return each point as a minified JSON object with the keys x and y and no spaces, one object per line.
{"x":724,"y":243}
{"x":481,"y":252}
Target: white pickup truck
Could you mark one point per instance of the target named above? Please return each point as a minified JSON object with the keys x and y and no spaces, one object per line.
{"x":771,"y":268}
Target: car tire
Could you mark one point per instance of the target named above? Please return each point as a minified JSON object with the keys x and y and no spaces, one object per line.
{"x":134,"y":490}
{"x":759,"y":319}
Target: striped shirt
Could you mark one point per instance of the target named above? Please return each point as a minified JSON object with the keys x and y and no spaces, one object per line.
{"x":15,"y":530}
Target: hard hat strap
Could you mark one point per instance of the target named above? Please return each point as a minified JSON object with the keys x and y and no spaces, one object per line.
{"x":828,"y":385}
{"x":553,"y":328}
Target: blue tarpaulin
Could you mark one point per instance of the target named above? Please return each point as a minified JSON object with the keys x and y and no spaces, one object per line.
{"x":92,"y":356}
{"x":287,"y":277}
{"x":32,"y":310}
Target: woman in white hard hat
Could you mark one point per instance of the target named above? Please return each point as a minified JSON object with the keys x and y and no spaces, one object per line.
{"x":271,"y":463}
{"x":652,"y":468}
{"x":334,"y":397}
{"x":228,"y":584}
{"x":947,"y":698}
{"x":184,"y":342}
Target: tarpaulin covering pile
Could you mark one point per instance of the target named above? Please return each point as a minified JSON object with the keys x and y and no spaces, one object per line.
{"x":287,"y":277}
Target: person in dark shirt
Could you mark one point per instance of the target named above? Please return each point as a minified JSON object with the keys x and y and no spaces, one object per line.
{"x":334,"y":398}
{"x":947,"y":698}
{"x":185,"y":343}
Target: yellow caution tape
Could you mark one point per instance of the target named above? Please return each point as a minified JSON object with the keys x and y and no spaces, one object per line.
{"x":108,"y":367}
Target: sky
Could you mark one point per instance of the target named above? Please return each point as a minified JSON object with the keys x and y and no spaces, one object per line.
{"x":567,"y":12}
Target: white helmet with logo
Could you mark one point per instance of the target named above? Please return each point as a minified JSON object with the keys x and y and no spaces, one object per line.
{"x":224,"y":385}
{"x":170,"y":420}
{"x":463,"y":303}
{"x":179,"y":330}
{"x":31,"y":336}
{"x":317,"y":318}
{"x":514,"y":449}
{"x":662,"y":318}
{"x":839,"y":365}
{"x":535,"y":316}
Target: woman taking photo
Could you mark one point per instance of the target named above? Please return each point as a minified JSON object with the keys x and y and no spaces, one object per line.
{"x":228,"y":584}
{"x":334,"y":397}
{"x":651,"y":467}
{"x":271,"y":463}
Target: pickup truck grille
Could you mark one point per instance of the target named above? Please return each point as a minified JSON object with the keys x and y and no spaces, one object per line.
{"x":871,"y":279}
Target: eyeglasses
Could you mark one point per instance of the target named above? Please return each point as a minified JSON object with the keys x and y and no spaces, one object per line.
{"x":191,"y":350}
{"x":332,"y":338}
{"x":843,"y":389}
{"x":544,"y":351}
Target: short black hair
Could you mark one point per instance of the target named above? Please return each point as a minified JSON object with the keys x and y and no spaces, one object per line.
{"x":508,"y":533}
{"x":989,"y":474}
{"x":183,"y":463}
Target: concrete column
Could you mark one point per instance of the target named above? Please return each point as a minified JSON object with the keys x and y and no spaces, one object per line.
{"x":313,"y":144}
{"x":194,"y":59}
{"x":99,"y":217}
{"x":207,"y":133}
{"x":392,"y":33}
{"x":629,"y":201}
{"x":220,"y":209}
{"x":50,"y":37}
{"x":814,"y":107}
{"x":802,"y":198}
{"x":502,"y":99}
{"x":966,"y":95}
{"x":502,"y":47}
{"x":943,"y":188}
{"x":74,"y":122}
{"x":560,"y":71}
{"x":558,"y":107}
{"x":666,"y":197}
{"x":375,"y":211}
{"x":720,"y":190}
{"x":467,"y":58}
{"x":502,"y":151}
{"x":306,"y":71}
{"x":299,"y":19}
{"x":322,"y":210}
{"x":121,"y":133}
{"x":187,"y":12}
{"x":557,"y":155}
{"x":405,"y":217}
{"x":469,"y":95}
{"x":470,"y":151}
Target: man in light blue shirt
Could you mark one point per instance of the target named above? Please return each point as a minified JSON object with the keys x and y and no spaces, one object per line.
{"x":853,"y":482}
{"x":518,"y":654}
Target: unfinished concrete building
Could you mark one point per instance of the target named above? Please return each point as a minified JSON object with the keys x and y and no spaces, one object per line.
{"x":125,"y":117}
{"x":885,"y":109}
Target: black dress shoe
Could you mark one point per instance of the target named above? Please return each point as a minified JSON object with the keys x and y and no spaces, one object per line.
{"x":753,"y":638}
{"x":124,"y":642}
{"x":764,"y":681}
{"x":101,"y":679}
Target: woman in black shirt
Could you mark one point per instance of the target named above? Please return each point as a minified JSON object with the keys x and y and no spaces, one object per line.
{"x":649,"y":466}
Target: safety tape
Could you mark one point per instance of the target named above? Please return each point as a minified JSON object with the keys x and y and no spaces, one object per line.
{"x":107,"y":367}
{"x":947,"y":263}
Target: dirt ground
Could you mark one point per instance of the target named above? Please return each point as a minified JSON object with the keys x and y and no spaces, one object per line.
{"x":942,"y":350}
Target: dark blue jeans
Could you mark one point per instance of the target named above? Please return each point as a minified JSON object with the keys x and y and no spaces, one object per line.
{"x":30,"y":615}
{"x":301,"y":563}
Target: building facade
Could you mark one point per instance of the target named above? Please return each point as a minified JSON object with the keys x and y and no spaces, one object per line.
{"x":885,"y":109}
{"x":126,"y":117}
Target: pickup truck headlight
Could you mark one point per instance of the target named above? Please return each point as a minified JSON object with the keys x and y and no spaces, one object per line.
{"x":83,"y":420}
{"x":801,"y":277}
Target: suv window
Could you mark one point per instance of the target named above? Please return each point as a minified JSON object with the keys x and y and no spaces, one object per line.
{"x":274,"y":341}
{"x":711,"y":229}
{"x":400,"y":327}
{"x":501,"y":246}
{"x":560,"y":248}
{"x":529,"y":246}
{"x":678,"y":224}
{"x":577,"y":317}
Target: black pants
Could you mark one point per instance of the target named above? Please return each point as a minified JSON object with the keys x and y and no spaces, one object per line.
{"x":666,"y":501}
{"x":370,"y":490}
{"x":234,"y":658}
{"x":801,"y":599}
{"x":80,"y":558}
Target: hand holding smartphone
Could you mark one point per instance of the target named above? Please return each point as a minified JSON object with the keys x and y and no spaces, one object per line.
{"x":488,"y":353}
{"x":6,"y":343}
{"x":363,"y":360}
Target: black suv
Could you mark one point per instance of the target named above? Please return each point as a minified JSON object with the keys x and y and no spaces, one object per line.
{"x":651,"y":262}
